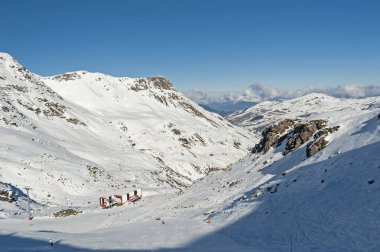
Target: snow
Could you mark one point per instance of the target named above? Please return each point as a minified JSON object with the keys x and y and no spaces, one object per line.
{"x":312,"y":106}
{"x":89,"y":130}
{"x":260,"y":202}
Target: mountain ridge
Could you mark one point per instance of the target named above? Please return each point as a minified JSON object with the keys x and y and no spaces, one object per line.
{"x":309,"y":182}
{"x":105,"y":129}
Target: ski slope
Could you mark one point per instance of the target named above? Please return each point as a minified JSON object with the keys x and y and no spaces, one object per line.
{"x":338,"y":214}
{"x":264,"y":201}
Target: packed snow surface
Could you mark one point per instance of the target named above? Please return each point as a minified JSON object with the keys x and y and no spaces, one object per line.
{"x":262,"y":202}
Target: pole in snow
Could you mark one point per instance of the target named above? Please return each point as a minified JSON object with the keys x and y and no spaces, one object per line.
{"x":27,"y":188}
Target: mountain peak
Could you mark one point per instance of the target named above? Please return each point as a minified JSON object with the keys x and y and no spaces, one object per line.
{"x":6,"y":57}
{"x":156,"y":82}
{"x":7,"y":60}
{"x":315,"y":96}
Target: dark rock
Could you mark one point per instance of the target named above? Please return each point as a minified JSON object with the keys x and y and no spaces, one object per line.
{"x":67,"y":77}
{"x":234,"y":183}
{"x":16,"y":87}
{"x":320,"y":141}
{"x":8,"y":122}
{"x":67,"y":212}
{"x":198,"y":138}
{"x":75,"y":121}
{"x":326,"y":131}
{"x":370,"y":182}
{"x":161,"y":98}
{"x":185,"y":142}
{"x":152,"y":82}
{"x":316,"y":146}
{"x":160,"y":83}
{"x":272,"y":134}
{"x":176,"y":131}
{"x":302,"y":133}
{"x":237,"y":145}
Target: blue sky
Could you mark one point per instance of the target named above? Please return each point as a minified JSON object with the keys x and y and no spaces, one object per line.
{"x":208,"y":45}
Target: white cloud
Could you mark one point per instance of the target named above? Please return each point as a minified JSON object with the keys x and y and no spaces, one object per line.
{"x":354,"y":91}
{"x":229,"y":97}
{"x":198,"y":96}
{"x":259,"y":92}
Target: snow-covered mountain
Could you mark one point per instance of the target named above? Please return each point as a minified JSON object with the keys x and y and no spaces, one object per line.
{"x":81,"y":133}
{"x":258,"y":117}
{"x":312,"y":183}
{"x":309,"y":183}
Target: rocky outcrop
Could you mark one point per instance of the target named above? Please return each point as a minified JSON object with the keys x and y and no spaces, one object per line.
{"x":302,"y":133}
{"x":326,"y":131}
{"x":152,"y":82}
{"x":272,"y":134}
{"x":67,"y":77}
{"x":378,"y":116}
{"x":296,"y":134}
{"x":320,"y":141}
{"x":316,"y":146}
{"x":160,"y":83}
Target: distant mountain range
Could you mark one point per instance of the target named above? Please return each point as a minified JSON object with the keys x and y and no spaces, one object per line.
{"x":227,"y":108}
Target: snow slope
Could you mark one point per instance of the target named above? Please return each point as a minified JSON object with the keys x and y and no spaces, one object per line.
{"x":328,"y":202}
{"x":80,"y":135}
{"x":266,"y":201}
{"x":257,"y":117}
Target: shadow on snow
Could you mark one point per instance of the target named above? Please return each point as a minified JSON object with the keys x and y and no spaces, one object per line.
{"x":307,"y":212}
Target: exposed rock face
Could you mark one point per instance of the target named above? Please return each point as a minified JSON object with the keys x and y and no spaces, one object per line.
{"x":316,"y":146}
{"x":272,"y":134}
{"x":160,"y":83}
{"x":325,"y":132}
{"x":297,"y":134}
{"x":67,"y":77}
{"x":158,"y":87}
{"x":378,"y":116}
{"x":302,"y":133}
{"x":320,"y":141}
{"x":152,"y":82}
